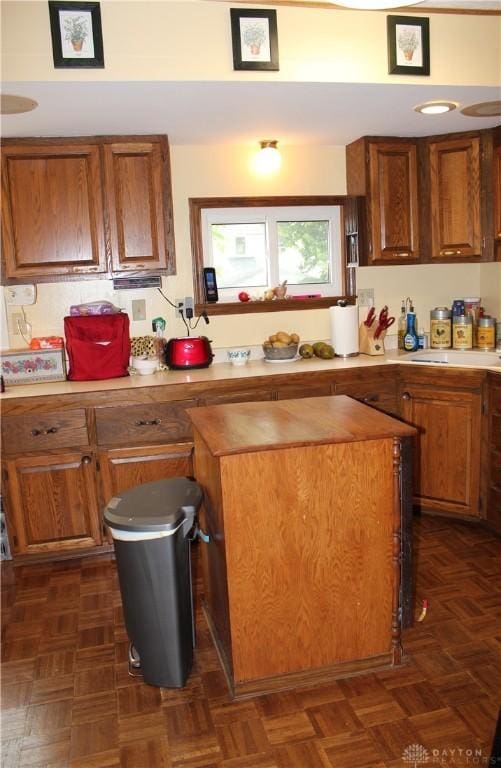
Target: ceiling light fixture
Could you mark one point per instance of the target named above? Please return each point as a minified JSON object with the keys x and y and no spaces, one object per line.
{"x":268,"y":159}
{"x":484,"y":109}
{"x":435,"y":107}
{"x":16,"y":105}
{"x":375,"y":5}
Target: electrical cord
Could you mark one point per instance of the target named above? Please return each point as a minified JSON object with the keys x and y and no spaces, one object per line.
{"x":188,"y":325}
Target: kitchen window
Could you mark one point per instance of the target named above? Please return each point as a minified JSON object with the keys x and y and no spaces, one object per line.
{"x":256,"y":249}
{"x":259,"y":243}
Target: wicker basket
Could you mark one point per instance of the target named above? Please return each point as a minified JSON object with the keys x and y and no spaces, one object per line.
{"x":280,"y":353}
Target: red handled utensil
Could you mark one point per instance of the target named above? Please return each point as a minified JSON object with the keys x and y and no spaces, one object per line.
{"x":370,"y":317}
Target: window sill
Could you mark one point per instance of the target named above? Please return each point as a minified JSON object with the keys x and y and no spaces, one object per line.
{"x":277,"y":305}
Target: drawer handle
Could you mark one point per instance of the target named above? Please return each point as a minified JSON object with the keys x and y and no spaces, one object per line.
{"x":371,"y":399}
{"x":402,"y":254}
{"x":147,"y":422}
{"x":49,"y":431}
{"x":406,"y":396}
{"x":86,"y":460}
{"x":451,"y":252}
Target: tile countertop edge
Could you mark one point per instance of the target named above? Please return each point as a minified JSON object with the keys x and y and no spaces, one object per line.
{"x":215,"y":372}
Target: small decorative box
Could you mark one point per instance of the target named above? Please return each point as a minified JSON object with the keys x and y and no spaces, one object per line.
{"x":33,"y":366}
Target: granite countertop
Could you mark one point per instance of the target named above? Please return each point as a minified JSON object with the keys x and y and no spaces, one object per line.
{"x":216,"y":372}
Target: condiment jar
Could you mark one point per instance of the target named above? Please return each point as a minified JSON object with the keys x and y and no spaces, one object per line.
{"x":440,"y":328}
{"x":462,"y":332}
{"x":486,"y":333}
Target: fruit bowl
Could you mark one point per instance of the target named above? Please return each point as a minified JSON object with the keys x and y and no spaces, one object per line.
{"x":144,"y":366}
{"x":280,"y":353}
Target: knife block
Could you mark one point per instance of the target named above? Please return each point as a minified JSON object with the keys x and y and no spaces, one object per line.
{"x":367,"y":343}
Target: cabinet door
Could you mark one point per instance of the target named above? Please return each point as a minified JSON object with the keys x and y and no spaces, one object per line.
{"x":497,"y":199}
{"x":447,"y":455}
{"x":139,"y":205}
{"x":52,"y":210}
{"x":52,"y":503}
{"x":123,"y":468}
{"x":393,"y":197}
{"x":455,"y":199}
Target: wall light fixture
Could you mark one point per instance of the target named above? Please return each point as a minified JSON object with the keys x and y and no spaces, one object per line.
{"x":268,"y":159}
{"x":374,"y":5}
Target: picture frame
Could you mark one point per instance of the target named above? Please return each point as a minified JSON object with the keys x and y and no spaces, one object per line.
{"x":77,"y":37}
{"x":33,"y":366}
{"x":408,"y":45}
{"x":254,"y":38}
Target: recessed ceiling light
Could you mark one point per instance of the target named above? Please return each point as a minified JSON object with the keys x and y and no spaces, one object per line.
{"x":16,"y":105}
{"x":374,"y":5}
{"x":435,"y":107}
{"x":484,"y":109}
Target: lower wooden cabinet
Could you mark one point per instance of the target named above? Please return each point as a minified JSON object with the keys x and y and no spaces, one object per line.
{"x":493,"y":511}
{"x":448,"y":449}
{"x":52,"y":503}
{"x":377,"y":389}
{"x":123,"y":468}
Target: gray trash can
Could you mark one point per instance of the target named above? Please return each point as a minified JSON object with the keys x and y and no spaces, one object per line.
{"x":150,"y":525}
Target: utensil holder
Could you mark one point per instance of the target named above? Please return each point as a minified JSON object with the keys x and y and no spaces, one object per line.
{"x":367,"y":343}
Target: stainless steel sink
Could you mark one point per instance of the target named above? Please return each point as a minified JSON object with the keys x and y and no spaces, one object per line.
{"x":459,"y":357}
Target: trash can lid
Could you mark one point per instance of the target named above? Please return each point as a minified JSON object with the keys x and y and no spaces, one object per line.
{"x":158,"y":506}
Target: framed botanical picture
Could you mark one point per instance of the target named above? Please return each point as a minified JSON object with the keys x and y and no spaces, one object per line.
{"x":408,"y":45}
{"x":254,"y":38}
{"x":77,"y":38}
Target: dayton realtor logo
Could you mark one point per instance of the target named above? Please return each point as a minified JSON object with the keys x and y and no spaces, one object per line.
{"x":415,"y":755}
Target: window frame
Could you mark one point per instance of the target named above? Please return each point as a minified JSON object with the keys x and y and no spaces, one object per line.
{"x":350,"y":215}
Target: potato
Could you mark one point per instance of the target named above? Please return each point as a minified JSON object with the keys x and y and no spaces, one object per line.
{"x":282,"y":336}
{"x":273,"y":337}
{"x":267,"y":344}
{"x":279,"y":344}
{"x":294,"y":338}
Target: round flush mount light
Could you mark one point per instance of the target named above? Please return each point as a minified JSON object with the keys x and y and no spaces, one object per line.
{"x":375,"y":5}
{"x":484,"y":109}
{"x":435,"y":107}
{"x":16,"y":105}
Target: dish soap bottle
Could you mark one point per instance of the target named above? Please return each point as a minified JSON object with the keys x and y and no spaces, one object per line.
{"x":402,"y":325}
{"x":411,"y":341}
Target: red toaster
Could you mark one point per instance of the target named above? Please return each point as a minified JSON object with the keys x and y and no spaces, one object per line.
{"x":188,"y":352}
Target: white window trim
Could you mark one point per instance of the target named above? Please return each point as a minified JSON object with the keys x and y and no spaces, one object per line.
{"x":271,"y":215}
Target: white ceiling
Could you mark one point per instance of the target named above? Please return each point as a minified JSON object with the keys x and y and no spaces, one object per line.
{"x":224,"y":112}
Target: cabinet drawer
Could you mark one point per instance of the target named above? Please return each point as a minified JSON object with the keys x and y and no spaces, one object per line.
{"x":43,"y":431}
{"x":133,"y":425}
{"x":295,"y":391}
{"x":244,"y":396}
{"x":381,"y":394}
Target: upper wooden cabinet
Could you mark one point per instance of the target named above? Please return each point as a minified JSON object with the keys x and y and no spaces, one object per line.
{"x":429,"y":199}
{"x":95,"y":206}
{"x":385,"y":170}
{"x":137,"y":190}
{"x":52,"y":210}
{"x":497,"y":193}
{"x":455,"y":198}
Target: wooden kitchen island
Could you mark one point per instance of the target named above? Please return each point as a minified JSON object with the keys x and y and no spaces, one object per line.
{"x":303,"y":511}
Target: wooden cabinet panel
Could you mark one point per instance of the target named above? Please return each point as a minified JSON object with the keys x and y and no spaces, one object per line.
{"x":447,"y":455}
{"x":44,"y":431}
{"x":385,"y":170}
{"x":493,"y":512}
{"x":313,"y":389}
{"x":497,"y":200}
{"x":455,"y":198}
{"x":52,"y":503}
{"x":137,"y":193}
{"x":141,"y":424}
{"x":52,"y":210}
{"x":123,"y":468}
{"x":239,"y":396}
{"x":379,"y":392}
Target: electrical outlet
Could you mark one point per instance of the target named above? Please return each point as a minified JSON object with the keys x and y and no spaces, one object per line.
{"x":365,"y":297}
{"x":138,"y":309}
{"x":19,"y":295}
{"x":188,"y":306}
{"x":18,"y":324}
{"x":179,"y":305}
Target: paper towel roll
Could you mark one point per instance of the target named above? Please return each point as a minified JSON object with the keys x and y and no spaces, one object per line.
{"x":344,"y":330}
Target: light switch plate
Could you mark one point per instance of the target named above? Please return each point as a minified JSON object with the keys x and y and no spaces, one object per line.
{"x":20,"y":295}
{"x":365,"y":297}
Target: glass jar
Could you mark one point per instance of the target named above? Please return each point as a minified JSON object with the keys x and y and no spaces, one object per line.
{"x":486,"y":333}
{"x":440,"y":328}
{"x":462,"y":332}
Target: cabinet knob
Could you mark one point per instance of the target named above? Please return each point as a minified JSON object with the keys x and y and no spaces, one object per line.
{"x":451,"y":252}
{"x":406,"y":396}
{"x":86,"y":460}
{"x":147,"y":422}
{"x":371,"y":399}
{"x":49,"y":431}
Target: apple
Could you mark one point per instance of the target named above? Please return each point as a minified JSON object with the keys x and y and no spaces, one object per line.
{"x":243,"y":296}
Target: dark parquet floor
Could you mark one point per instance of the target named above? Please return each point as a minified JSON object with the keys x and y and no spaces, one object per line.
{"x":68,"y":701}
